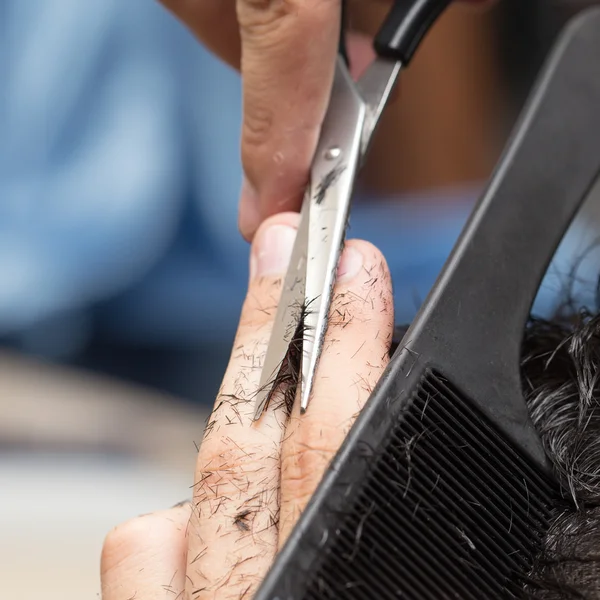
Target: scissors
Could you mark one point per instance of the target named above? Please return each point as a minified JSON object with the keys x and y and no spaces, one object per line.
{"x":351,"y":119}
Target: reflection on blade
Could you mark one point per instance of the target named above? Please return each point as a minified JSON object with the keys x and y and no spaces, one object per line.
{"x":332,"y":178}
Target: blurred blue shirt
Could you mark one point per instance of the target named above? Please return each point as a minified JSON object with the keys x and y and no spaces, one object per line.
{"x":119,"y":181}
{"x":113,"y":120}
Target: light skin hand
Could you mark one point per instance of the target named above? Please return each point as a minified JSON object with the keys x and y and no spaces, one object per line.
{"x":286,"y":52}
{"x":253,"y":479}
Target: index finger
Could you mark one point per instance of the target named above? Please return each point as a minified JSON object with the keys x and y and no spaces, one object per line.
{"x":233,"y":528}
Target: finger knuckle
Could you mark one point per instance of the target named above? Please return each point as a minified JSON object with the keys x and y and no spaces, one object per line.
{"x":232,"y":472}
{"x":125,"y":541}
{"x":232,"y":406}
{"x":303,"y":466}
{"x":266,"y":13}
{"x":257,"y":129}
{"x":302,"y":471}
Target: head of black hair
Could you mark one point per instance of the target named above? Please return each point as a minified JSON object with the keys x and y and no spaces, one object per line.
{"x":561,"y":383}
{"x":561,"y":380}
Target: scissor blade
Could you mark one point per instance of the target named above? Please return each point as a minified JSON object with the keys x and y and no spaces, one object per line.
{"x":332,"y":181}
{"x":289,"y":313}
{"x":375,"y":87}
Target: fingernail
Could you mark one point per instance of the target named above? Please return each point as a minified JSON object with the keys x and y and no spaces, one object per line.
{"x":350,"y":264}
{"x":272,"y":251}
{"x":249,"y":215}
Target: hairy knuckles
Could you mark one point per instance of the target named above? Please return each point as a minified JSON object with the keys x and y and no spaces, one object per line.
{"x":303,"y":467}
{"x":233,"y":472}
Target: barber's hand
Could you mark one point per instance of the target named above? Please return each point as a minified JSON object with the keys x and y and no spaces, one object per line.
{"x":253,"y":479}
{"x":286,"y":52}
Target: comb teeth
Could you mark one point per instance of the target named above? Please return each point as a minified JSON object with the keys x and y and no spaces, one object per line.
{"x":450,"y":510}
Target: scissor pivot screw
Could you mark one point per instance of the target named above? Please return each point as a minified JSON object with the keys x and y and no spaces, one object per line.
{"x":333,"y":153}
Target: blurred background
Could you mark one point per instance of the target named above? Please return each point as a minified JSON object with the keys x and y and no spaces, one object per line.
{"x":122,"y":272}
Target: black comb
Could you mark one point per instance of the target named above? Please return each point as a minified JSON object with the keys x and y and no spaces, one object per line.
{"x":442,"y":488}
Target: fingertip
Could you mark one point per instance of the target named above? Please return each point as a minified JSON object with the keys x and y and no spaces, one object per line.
{"x":272,"y":245}
{"x":288,"y":219}
{"x":351,"y":262}
{"x":371,"y":257}
{"x":279,"y":167}
{"x":365,"y":288}
{"x":279,"y":198}
{"x":270,"y":254}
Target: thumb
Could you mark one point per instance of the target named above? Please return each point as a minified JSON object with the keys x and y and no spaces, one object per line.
{"x":288,"y":61}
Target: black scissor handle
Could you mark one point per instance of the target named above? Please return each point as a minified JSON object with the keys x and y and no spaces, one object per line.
{"x":405,"y":27}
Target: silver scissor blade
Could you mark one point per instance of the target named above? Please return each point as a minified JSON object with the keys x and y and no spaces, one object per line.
{"x":375,"y":88}
{"x":289,"y":313}
{"x":332,"y":181}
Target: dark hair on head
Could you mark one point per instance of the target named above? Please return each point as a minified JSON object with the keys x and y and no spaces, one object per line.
{"x":561,"y":379}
